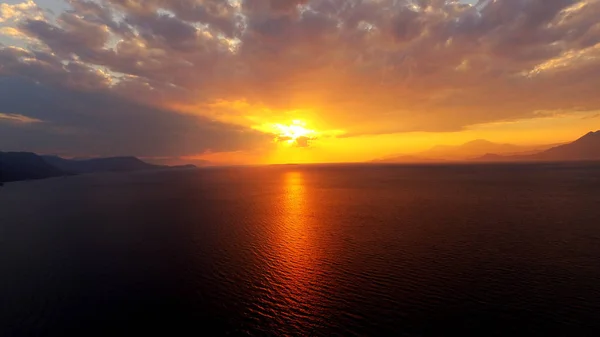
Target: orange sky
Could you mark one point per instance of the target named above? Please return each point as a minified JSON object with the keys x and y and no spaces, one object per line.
{"x":325,"y":149}
{"x":295,"y":81}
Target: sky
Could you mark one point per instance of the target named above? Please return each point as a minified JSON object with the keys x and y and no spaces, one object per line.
{"x":293,"y":81}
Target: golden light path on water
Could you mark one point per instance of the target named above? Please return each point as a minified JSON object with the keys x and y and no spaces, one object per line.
{"x":296,"y":279}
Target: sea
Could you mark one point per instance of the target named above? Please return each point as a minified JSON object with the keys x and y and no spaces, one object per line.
{"x":316,"y":250}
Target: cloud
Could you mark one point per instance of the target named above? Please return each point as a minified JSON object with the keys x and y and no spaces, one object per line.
{"x":93,"y":122}
{"x":12,"y":32}
{"x":19,"y":11}
{"x":362,"y":66}
{"x":303,"y":141}
{"x":16,"y":118}
{"x":594,"y":116}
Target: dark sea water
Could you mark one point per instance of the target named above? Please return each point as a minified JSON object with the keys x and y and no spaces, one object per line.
{"x":486,"y":250}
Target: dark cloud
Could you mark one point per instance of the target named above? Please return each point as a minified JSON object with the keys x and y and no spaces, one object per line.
{"x":74,"y":36}
{"x":302,"y":141}
{"x":218,"y":14}
{"x":165,"y":28}
{"x":285,"y":5}
{"x":99,"y":123}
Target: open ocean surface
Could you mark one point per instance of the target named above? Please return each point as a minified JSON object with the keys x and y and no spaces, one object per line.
{"x":482,"y":250}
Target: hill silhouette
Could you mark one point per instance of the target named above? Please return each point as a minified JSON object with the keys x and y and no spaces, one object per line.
{"x":113,"y":164}
{"x":24,"y":166}
{"x":472,"y":148}
{"x":466,"y":151}
{"x":407,"y":159}
{"x":15,"y":166}
{"x":586,"y":148}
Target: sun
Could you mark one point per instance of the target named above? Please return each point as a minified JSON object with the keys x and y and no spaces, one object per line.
{"x":295,"y":133}
{"x":292,"y":132}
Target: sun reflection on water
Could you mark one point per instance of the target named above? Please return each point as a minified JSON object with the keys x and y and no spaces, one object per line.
{"x":296,"y":279}
{"x":296,"y":254}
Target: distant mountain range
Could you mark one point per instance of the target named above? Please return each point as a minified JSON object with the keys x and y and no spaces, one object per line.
{"x":477,"y":148}
{"x":16,"y":166}
{"x":98,"y":164}
{"x":584,"y":148}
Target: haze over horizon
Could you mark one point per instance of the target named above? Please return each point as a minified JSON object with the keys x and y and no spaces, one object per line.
{"x":294,"y":81}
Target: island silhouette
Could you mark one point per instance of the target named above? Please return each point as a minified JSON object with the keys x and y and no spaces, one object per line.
{"x":15,"y":166}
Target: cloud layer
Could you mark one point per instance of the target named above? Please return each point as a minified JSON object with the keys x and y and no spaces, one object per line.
{"x":362,"y":66}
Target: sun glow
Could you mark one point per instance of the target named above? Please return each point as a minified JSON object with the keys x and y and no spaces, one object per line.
{"x":294,"y":133}
{"x":291,"y":133}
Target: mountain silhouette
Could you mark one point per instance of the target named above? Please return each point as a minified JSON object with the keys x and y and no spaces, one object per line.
{"x":407,"y":160}
{"x":586,"y":148}
{"x":16,"y":166}
{"x":466,"y":151}
{"x":25,"y":165}
{"x":475,"y":147}
{"x":113,"y":164}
